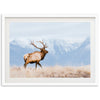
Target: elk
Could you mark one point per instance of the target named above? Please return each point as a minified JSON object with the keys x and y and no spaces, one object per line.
{"x":36,"y":56}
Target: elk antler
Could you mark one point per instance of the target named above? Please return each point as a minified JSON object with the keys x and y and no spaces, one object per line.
{"x":32,"y":43}
{"x":44,"y":45}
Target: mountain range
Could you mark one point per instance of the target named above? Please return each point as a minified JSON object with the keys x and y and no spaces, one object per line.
{"x":61,"y":52}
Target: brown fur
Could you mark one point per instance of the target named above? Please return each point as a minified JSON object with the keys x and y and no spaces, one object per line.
{"x":36,"y":56}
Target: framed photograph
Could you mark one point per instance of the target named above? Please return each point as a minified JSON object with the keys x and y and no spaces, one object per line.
{"x":48,"y":50}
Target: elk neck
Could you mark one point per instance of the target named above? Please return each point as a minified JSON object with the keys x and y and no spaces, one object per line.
{"x":43,"y":53}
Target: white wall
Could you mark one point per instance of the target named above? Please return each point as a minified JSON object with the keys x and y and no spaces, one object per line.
{"x":51,"y":6}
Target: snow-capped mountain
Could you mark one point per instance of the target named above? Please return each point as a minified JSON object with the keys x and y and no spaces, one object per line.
{"x":61,"y":45}
{"x":61,"y":52}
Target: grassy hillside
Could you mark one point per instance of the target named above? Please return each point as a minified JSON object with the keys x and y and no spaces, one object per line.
{"x":56,"y":72}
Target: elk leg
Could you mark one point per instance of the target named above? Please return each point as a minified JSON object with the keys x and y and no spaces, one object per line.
{"x":25,"y":65}
{"x":36,"y":66}
{"x":39,"y":65}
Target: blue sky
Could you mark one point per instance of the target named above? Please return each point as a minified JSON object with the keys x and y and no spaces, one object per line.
{"x":49,"y":30}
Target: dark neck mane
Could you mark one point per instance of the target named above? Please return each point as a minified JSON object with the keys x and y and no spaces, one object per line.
{"x":43,"y":54}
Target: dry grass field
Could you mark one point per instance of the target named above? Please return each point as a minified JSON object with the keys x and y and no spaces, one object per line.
{"x":53,"y":72}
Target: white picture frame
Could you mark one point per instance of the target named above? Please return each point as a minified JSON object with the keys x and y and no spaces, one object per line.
{"x":6,"y":81}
